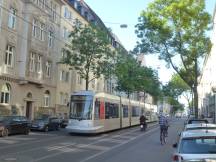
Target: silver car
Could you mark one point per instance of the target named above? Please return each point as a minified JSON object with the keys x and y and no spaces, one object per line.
{"x":195,"y":145}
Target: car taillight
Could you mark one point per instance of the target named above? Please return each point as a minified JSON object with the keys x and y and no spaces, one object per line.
{"x":177,"y":158}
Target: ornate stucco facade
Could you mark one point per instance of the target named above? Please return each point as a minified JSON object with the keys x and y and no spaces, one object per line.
{"x":32,"y":36}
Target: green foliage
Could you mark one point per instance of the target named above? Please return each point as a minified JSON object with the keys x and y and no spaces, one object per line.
{"x":131,"y":77}
{"x":89,"y":52}
{"x":175,"y":87}
{"x":176,"y":106}
{"x":176,"y":30}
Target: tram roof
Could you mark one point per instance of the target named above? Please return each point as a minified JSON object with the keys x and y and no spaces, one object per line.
{"x":85,"y":93}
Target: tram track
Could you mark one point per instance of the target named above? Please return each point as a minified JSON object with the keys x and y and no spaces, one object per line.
{"x":123,"y":134}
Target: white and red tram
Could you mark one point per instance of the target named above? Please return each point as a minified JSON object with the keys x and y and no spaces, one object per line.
{"x":100,"y":112}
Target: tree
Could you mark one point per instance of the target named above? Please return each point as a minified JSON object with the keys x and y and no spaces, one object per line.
{"x":176,"y":106}
{"x":175,"y":30}
{"x":176,"y":87}
{"x":131,"y":77}
{"x":89,"y":51}
{"x":126,"y":71}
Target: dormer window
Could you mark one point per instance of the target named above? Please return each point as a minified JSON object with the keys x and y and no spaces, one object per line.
{"x":79,"y":8}
{"x":86,"y":15}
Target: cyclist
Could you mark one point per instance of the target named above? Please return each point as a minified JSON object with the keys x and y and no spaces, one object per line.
{"x":163,"y":122}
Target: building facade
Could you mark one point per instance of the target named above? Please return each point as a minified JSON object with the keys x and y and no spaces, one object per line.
{"x":32,"y":36}
{"x":207,"y":82}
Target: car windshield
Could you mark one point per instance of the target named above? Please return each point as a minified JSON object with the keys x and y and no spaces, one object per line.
{"x":205,"y":145}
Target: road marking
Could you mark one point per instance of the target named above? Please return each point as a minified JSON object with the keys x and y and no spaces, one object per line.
{"x":41,"y":140}
{"x":116,"y":146}
{"x":89,"y":145}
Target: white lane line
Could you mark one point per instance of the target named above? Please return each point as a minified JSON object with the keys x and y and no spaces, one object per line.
{"x":116,"y":146}
{"x":31,"y":142}
{"x":89,"y":145}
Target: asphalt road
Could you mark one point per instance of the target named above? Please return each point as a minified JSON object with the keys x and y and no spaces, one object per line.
{"x":126,"y":145}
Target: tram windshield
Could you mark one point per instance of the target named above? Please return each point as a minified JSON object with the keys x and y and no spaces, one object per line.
{"x":81,"y":107}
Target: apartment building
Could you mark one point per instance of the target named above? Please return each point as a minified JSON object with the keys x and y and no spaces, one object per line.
{"x":32,"y":36}
{"x":207,"y":82}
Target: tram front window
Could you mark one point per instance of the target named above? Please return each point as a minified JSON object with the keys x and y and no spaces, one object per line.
{"x":81,"y":107}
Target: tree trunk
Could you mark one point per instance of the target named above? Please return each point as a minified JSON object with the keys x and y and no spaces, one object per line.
{"x":195,"y":101}
{"x":195,"y":90}
{"x":87,"y":82}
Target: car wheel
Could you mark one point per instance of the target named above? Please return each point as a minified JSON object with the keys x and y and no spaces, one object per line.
{"x":46,"y":129}
{"x":27,"y":131}
{"x":5,"y":132}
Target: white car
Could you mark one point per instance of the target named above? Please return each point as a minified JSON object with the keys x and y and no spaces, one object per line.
{"x":200,"y":126}
{"x":195,"y":145}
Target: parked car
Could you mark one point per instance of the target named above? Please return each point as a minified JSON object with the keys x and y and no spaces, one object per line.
{"x":201,"y":160}
{"x":14,"y":125}
{"x":196,"y":145}
{"x":46,"y":123}
{"x":194,"y":121}
{"x":63,"y":123}
{"x":200,"y":126}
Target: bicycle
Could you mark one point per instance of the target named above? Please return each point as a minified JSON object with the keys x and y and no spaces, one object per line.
{"x":163,"y":136}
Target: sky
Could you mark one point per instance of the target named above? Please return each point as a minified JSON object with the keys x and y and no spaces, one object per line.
{"x":116,"y":12}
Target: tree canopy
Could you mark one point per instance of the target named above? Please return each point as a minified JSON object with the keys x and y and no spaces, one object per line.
{"x":132,"y":77}
{"x":176,"y":31}
{"x":89,"y":52}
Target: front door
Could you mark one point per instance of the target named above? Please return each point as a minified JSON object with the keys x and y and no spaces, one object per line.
{"x":29,"y":109}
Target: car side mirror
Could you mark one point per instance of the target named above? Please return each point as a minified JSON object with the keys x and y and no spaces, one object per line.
{"x":175,"y":145}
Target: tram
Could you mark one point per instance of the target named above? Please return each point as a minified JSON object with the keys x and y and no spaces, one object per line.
{"x":101,"y":112}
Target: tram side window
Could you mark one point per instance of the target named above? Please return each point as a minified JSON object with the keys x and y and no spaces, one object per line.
{"x":135,"y":111}
{"x":97,"y":110}
{"x":111,"y":110}
{"x":125,"y":111}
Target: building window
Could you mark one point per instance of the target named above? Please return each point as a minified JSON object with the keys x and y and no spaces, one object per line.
{"x":42,"y":31}
{"x":48,"y":68}
{"x":62,"y":73}
{"x":53,"y":11}
{"x":39,"y":64}
{"x":47,"y":99}
{"x":35,"y":29}
{"x":67,"y":75}
{"x":42,"y":3}
{"x":67,"y":14}
{"x":32,"y":62}
{"x":9,"y":55}
{"x":5,"y":93}
{"x":65,"y":33}
{"x":50,"y":39}
{"x":79,"y":79}
{"x":66,"y":99}
{"x":12,"y":18}
{"x":61,"y":98}
{"x":0,"y":11}
{"x":38,"y":29}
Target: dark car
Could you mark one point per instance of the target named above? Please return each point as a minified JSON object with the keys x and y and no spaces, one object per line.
{"x":46,"y":123}
{"x":196,"y":121}
{"x":14,"y":125}
{"x":63,"y":123}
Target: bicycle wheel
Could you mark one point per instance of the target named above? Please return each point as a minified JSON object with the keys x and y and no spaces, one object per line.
{"x":162,"y":137}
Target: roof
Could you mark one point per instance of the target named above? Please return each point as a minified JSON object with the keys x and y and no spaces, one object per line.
{"x":200,"y":125}
{"x":198,"y":133}
{"x":85,"y":93}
